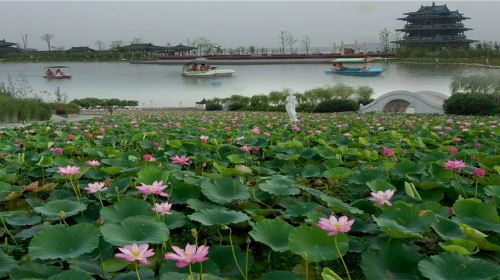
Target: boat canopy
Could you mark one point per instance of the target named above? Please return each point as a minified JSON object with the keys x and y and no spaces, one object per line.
{"x":61,"y":66}
{"x":350,"y":60}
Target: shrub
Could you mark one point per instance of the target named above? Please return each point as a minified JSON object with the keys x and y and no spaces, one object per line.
{"x":211,"y":106}
{"x":14,"y":109}
{"x":471,"y":104}
{"x":236,"y":106}
{"x":65,"y":109}
{"x":336,"y":105}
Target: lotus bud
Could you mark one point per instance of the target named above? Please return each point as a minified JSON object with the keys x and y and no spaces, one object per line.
{"x":62,"y":215}
{"x":194,"y":233}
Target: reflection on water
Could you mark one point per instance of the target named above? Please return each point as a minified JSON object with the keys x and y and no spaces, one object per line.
{"x":164,"y":85}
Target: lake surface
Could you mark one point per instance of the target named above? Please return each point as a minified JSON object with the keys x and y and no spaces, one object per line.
{"x":163,"y":85}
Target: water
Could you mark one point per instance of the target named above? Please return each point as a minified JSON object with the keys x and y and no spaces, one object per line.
{"x":163,"y":85}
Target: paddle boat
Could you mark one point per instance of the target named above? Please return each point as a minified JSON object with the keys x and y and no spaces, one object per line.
{"x":199,"y":68}
{"x":356,"y":71}
{"x":57,"y":72}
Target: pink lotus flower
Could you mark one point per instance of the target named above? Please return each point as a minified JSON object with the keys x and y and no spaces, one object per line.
{"x":182,"y":160}
{"x":454,"y":165}
{"x":134,"y":252}
{"x":57,"y":151}
{"x":204,"y":139}
{"x":255,"y":130}
{"x":388,"y":152}
{"x":457,"y":139}
{"x":156,"y":188}
{"x":295,"y":128}
{"x":100,"y":137}
{"x":148,"y":157}
{"x":478,"y":172}
{"x":96,"y":187}
{"x":245,"y":148}
{"x":477,"y":145}
{"x":89,"y":135}
{"x":334,"y":226}
{"x":69,"y":170}
{"x":93,"y":163}
{"x":347,"y":134}
{"x":452,"y":150}
{"x":156,"y":144}
{"x":188,"y":256}
{"x":381,"y":198}
{"x":163,"y":208}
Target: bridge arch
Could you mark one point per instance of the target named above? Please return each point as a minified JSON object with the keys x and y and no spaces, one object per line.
{"x":402,"y":101}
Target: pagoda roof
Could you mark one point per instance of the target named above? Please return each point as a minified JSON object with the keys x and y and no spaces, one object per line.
{"x":4,"y":43}
{"x":144,"y":47}
{"x":181,"y":47}
{"x":81,"y":49}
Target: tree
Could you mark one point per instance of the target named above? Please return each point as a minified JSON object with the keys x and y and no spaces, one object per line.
{"x":283,"y":39}
{"x":24,"y":37}
{"x":384,"y":39}
{"x":364,"y":94}
{"x":48,"y":38}
{"x":116,"y":44}
{"x":306,"y":43}
{"x":291,"y":41}
{"x":136,"y":40}
{"x":99,"y":45}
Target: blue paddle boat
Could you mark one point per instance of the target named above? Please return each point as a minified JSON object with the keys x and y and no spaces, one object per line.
{"x":352,"y":71}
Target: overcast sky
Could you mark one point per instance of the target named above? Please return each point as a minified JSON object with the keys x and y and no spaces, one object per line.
{"x":231,"y":24}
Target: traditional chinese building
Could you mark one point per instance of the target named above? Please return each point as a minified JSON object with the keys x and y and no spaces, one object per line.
{"x":434,"y":26}
{"x":8,"y":47}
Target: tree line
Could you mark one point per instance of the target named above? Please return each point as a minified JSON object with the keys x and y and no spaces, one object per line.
{"x":96,"y":103}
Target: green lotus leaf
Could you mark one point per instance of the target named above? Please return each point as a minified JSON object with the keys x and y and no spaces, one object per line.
{"x":457,"y":267}
{"x":403,"y":220}
{"x":328,"y":274}
{"x":114,"y":264}
{"x":60,"y":242}
{"x":462,"y":247}
{"x":279,"y":275}
{"x":144,"y":274}
{"x":125,"y":208}
{"x":273,"y":233}
{"x":149,"y":174}
{"x":52,"y":210}
{"x":222,"y":255}
{"x":280,"y":185}
{"x":447,"y":229}
{"x":21,"y":218}
{"x":296,"y":208}
{"x":174,"y":220}
{"x":7,"y":263}
{"x":334,"y":203}
{"x":208,"y":266}
{"x":225,"y":190}
{"x":315,"y":244}
{"x":380,"y":185}
{"x":394,"y":259}
{"x":493,"y":191}
{"x":135,"y":229}
{"x":71,"y":275}
{"x":218,"y":216}
{"x":477,"y":214}
{"x":33,"y":270}
{"x":479,"y":238}
{"x":337,"y":173}
{"x":408,"y":167}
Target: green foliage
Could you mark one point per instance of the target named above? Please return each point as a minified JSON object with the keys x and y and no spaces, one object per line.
{"x":91,"y":102}
{"x":476,"y":84}
{"x":212,"y":106}
{"x":65,"y":109}
{"x":336,"y":105}
{"x":471,"y":104}
{"x":16,"y":109}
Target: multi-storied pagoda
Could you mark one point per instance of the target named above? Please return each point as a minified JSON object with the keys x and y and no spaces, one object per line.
{"x":8,"y":47}
{"x":435,"y":26}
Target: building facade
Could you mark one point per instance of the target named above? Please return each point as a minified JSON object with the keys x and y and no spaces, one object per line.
{"x":434,"y":26}
{"x":6,"y":47}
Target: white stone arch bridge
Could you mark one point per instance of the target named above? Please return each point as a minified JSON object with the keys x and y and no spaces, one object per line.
{"x":403,"y":101}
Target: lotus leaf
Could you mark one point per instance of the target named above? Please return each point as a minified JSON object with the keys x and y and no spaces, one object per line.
{"x":314,"y":244}
{"x":135,"y":229}
{"x":54,"y":209}
{"x":273,"y":233}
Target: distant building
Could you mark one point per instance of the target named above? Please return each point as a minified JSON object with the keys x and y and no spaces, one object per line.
{"x":6,"y":47}
{"x":434,"y":26}
{"x":144,"y":48}
{"x":80,"y":49}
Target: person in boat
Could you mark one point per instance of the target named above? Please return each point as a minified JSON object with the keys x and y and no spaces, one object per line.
{"x":49,"y":73}
{"x":340,"y":67}
{"x":194,"y":67}
{"x":363,"y":69}
{"x":203,"y":67}
{"x":59,"y":73}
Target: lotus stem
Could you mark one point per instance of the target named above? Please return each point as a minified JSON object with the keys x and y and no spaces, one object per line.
{"x":341,"y":258}
{"x":137,"y":271}
{"x":234,"y":254}
{"x":475,"y":192}
{"x":100,"y":199}
{"x":306,"y":260}
{"x":74,"y":188}
{"x":7,"y":230}
{"x":191,"y":276}
{"x":246,"y":258}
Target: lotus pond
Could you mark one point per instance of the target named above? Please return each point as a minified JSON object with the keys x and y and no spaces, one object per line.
{"x":195,"y":195}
